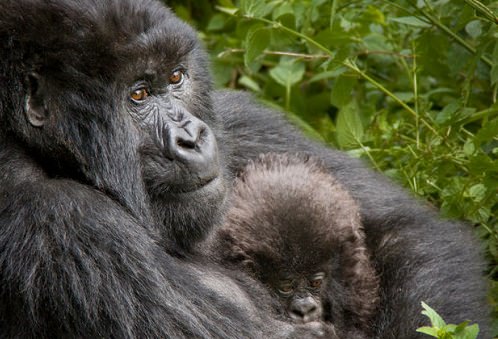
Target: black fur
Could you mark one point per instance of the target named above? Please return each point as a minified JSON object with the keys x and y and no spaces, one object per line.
{"x":86,"y":220}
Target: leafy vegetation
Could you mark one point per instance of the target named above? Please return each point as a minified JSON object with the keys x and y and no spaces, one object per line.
{"x":408,"y":85}
{"x":441,"y":330}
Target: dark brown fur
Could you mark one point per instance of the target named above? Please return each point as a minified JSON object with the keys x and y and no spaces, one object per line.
{"x":289,"y":215}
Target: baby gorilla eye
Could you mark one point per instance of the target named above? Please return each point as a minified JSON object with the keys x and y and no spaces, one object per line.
{"x":317,"y":280}
{"x":285,"y":287}
{"x":176,"y":77}
{"x":139,"y":94}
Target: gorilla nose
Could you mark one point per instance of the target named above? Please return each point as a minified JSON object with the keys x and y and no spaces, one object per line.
{"x":305,"y":310}
{"x":192,"y":143}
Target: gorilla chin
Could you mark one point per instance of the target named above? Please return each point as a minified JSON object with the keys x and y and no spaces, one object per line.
{"x":172,"y":187}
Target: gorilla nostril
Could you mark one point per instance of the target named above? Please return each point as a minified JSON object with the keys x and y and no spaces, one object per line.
{"x":202,"y":135}
{"x":184,"y":143}
{"x":296,"y":314}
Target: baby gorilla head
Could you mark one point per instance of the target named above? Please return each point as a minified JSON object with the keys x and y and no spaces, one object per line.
{"x":298,"y":231}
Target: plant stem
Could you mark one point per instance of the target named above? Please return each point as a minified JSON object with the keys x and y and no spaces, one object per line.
{"x":453,"y":35}
{"x":348,"y":64}
{"x":485,"y":11}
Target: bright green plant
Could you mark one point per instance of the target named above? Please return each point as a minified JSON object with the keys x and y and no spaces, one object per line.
{"x":408,"y":85}
{"x":441,"y":330}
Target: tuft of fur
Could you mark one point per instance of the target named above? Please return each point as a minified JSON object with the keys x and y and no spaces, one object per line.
{"x":287,"y":213}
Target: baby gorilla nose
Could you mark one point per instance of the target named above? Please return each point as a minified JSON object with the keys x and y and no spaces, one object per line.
{"x":304,"y":310}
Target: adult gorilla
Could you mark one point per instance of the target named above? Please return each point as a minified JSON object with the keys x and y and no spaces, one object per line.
{"x":115,"y":155}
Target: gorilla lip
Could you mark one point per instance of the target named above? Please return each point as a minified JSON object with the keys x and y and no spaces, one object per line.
{"x":201,"y":184}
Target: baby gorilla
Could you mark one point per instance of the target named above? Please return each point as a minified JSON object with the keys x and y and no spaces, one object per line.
{"x":295,"y":228}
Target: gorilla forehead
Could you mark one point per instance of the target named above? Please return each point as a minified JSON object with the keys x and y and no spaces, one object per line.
{"x":106,"y":33}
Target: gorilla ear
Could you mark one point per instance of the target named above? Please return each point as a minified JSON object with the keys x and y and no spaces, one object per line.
{"x":35,"y":107}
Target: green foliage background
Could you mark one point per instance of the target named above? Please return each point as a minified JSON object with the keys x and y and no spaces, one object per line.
{"x":408,"y":85}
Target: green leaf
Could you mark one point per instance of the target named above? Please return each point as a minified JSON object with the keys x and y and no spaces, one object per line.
{"x":283,"y":9}
{"x":469,"y":148}
{"x":462,"y":331}
{"x":342,"y":91}
{"x":474,"y":28}
{"x":256,"y":41}
{"x":435,"y":318}
{"x":471,"y":332}
{"x":411,"y":21}
{"x":477,"y":192}
{"x":328,"y":74}
{"x":288,"y":72}
{"x":253,"y":8}
{"x":487,"y":132}
{"x":217,"y":22}
{"x":349,"y":127}
{"x":249,"y":83}
{"x":228,"y":10}
{"x":448,"y":112}
{"x":428,"y":330}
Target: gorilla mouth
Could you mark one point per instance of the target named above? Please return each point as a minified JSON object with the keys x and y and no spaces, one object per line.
{"x":196,"y":186}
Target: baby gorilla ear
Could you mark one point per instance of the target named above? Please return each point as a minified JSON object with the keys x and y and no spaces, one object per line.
{"x":35,"y":107}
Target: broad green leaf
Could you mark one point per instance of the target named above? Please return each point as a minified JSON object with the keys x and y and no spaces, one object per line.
{"x":253,"y":8}
{"x":283,"y":9}
{"x":349,"y":131}
{"x":448,"y":112}
{"x":469,"y":148}
{"x":477,"y":192}
{"x":487,"y":132}
{"x":472,"y":332}
{"x":217,"y":22}
{"x":288,"y":72}
{"x":463,"y":331}
{"x":474,"y":28}
{"x":342,"y":91}
{"x":256,"y":41}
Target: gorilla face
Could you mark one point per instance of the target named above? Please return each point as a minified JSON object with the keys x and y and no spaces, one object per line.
{"x":301,"y":293}
{"x":169,"y":102}
{"x":180,"y":157}
{"x":138,"y":74}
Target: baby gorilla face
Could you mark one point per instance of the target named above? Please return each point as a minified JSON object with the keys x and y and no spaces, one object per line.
{"x":300,"y":295}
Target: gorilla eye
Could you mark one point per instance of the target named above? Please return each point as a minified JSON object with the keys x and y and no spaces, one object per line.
{"x":176,"y":77}
{"x":317,"y":280}
{"x":285,"y":287}
{"x":316,"y":283}
{"x":139,"y":94}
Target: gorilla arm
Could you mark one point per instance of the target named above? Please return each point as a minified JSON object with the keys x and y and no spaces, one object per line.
{"x":69,"y":252}
{"x":418,"y":256}
{"x":74,"y":263}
